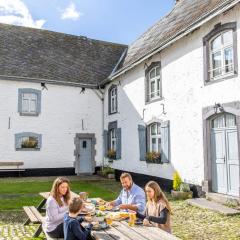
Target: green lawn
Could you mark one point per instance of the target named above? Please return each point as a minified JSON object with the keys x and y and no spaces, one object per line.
{"x":189,"y":223}
{"x":15,"y":195}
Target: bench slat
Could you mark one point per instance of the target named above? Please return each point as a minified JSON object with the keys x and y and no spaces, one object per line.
{"x":37,"y":214}
{"x":11,"y":163}
{"x":30,"y":214}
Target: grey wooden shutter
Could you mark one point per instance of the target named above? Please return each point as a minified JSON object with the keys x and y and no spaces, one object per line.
{"x":142,"y":142}
{"x":165,"y":142}
{"x":105,"y":141}
{"x":119,"y":143}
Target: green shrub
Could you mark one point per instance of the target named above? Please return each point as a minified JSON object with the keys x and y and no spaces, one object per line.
{"x":177,"y":181}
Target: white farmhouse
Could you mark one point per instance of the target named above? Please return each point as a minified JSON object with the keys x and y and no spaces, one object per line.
{"x":168,"y":102}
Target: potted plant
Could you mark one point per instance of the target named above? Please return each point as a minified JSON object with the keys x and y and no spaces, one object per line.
{"x":153,"y":157}
{"x":109,"y":172}
{"x":180,"y":190}
{"x":29,"y":144}
{"x":111,"y":154}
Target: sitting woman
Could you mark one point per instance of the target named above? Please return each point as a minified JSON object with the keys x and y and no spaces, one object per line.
{"x":56,"y":207}
{"x":157,"y":212}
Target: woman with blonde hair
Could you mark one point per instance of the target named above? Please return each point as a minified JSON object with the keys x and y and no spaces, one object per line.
{"x":56,"y":207}
{"x":158,"y":210}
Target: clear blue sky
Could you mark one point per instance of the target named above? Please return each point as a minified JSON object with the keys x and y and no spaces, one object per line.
{"x":119,"y":21}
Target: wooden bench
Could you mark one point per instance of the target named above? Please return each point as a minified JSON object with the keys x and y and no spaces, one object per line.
{"x":34,"y":216}
{"x":7,"y":166}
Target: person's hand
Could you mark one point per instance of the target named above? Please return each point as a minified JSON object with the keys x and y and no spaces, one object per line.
{"x":88,"y":218}
{"x":123,"y":206}
{"x":146,"y":222}
{"x":110,"y":204}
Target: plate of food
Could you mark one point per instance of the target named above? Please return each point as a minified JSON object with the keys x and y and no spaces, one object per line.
{"x":88,"y":208}
{"x":98,"y":226}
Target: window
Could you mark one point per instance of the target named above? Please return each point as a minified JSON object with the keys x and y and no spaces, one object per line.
{"x":154,"y":83}
{"x":224,"y":120}
{"x":155,"y":137}
{"x":29,"y":102}
{"x":113,"y":139}
{"x":112,"y":93}
{"x":27,"y":141}
{"x":221,"y":55}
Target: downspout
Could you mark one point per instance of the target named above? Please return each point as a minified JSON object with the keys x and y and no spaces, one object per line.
{"x":101,"y":97}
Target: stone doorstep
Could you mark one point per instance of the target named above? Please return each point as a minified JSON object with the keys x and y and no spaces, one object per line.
{"x":213,"y":206}
{"x":222,"y":199}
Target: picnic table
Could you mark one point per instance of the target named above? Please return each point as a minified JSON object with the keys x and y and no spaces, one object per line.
{"x":121,"y":231}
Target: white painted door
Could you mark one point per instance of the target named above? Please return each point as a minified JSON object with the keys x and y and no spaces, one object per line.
{"x":225,"y":157}
{"x":85,"y":156}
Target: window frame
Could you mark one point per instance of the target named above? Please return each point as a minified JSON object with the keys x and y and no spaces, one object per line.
{"x":216,"y":31}
{"x":113,"y":138}
{"x":222,"y":51}
{"x":21,"y":93}
{"x":157,"y":136}
{"x":148,"y":80}
{"x":19,"y":136}
{"x":112,"y":89}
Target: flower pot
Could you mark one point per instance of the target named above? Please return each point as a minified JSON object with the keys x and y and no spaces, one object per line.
{"x":181,"y":195}
{"x":111,"y":176}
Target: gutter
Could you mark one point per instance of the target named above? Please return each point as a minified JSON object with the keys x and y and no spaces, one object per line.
{"x":174,"y":38}
{"x":43,"y":80}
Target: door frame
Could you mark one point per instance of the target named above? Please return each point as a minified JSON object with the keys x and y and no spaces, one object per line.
{"x":78,"y":137}
{"x":208,"y":114}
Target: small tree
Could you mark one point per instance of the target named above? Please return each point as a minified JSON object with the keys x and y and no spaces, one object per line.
{"x":177,"y":181}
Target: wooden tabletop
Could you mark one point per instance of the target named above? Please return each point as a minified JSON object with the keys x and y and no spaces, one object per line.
{"x":121,"y":231}
{"x":46,"y":194}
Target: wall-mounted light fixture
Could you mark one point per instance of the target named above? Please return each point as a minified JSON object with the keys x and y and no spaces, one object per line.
{"x":218,"y":108}
{"x":163,"y":109}
{"x":43,"y":85}
{"x":83,"y":90}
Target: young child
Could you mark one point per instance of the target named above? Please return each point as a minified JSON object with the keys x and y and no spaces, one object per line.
{"x":73,"y":230}
{"x":157,"y":212}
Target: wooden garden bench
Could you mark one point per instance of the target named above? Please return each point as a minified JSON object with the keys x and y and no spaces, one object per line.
{"x":7,"y":166}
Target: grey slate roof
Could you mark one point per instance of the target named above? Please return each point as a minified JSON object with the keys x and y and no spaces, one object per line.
{"x":41,"y":54}
{"x":183,"y":15}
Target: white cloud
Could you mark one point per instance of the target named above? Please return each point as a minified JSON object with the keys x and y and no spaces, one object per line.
{"x":16,"y":12}
{"x":71,"y":12}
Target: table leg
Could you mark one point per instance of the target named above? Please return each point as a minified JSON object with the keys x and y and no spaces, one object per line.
{"x":38,"y":231}
{"x":41,"y":204}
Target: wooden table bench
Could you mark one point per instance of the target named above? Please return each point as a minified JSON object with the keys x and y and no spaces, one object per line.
{"x":34,"y":213}
{"x":8,"y":166}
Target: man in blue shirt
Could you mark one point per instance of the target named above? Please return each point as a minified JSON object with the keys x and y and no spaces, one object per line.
{"x":132,"y":197}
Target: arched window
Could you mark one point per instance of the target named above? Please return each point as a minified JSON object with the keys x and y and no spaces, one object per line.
{"x":154,"y":83}
{"x":112,"y":98}
{"x":221,"y":54}
{"x":224,"y":120}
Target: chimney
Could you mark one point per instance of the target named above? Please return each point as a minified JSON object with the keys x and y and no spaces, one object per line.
{"x":177,"y":1}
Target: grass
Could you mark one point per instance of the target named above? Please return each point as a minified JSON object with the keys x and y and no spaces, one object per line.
{"x":189,"y":223}
{"x":15,"y":195}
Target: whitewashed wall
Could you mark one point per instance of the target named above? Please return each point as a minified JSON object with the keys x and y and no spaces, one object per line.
{"x":62,"y":111}
{"x":184,"y":97}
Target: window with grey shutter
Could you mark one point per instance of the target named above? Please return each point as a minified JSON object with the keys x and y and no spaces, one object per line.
{"x":165,"y":142}
{"x":105,"y":140}
{"x":142,"y":142}
{"x":29,"y":102}
{"x":119,"y":143}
